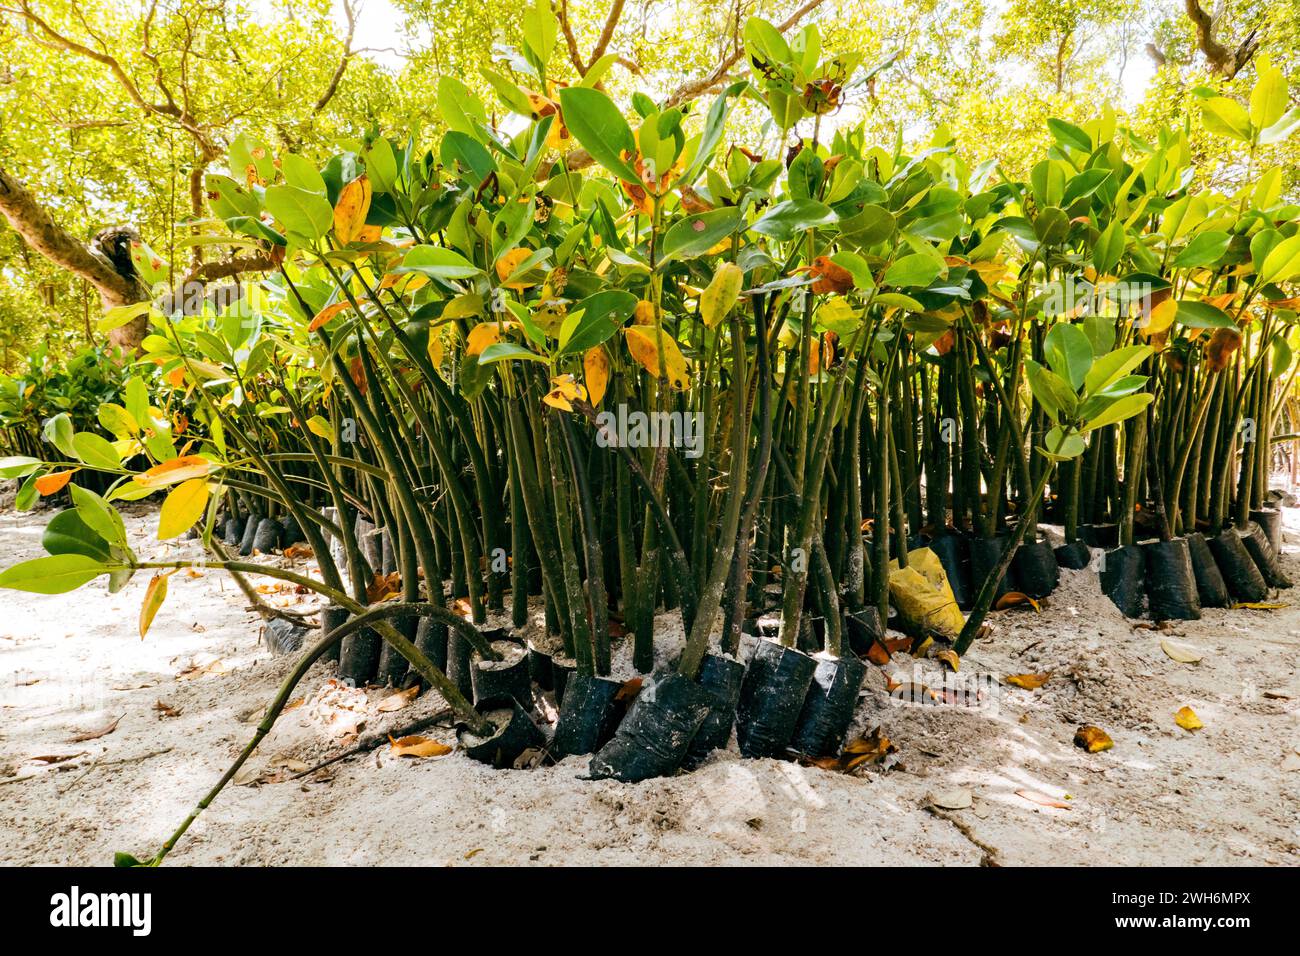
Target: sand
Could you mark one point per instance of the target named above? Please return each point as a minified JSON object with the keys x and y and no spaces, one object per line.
{"x":188,"y":696}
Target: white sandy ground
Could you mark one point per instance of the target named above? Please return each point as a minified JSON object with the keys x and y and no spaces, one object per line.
{"x":1227,"y":794}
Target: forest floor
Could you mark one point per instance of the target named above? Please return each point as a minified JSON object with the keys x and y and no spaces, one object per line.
{"x":182,"y":702}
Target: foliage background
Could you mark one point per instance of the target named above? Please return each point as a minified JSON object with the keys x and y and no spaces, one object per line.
{"x":107,"y":109}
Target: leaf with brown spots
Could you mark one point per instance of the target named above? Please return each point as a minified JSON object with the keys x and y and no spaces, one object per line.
{"x":1092,"y":739}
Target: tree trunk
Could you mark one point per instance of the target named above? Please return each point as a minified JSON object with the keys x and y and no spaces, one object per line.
{"x":106,"y":264}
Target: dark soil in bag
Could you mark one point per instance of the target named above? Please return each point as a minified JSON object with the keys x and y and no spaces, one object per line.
{"x":1270,"y":519}
{"x":431,"y":639}
{"x":828,"y":709}
{"x":1035,"y":570}
{"x":290,"y":531}
{"x":721,"y":678}
{"x":540,"y":667}
{"x":1240,"y":573}
{"x":359,"y":656}
{"x":953,"y":551}
{"x":250,"y":535}
{"x":1261,"y":552}
{"x":506,"y":679}
{"x":392,"y":665}
{"x":388,"y":553}
{"x":1171,"y":581}
{"x":985,"y":553}
{"x":267,"y":537}
{"x":771,"y":698}
{"x":1211,"y":590}
{"x":1123,"y":579}
{"x":285,"y":637}
{"x":332,"y":616}
{"x":862,"y":628}
{"x":589,"y":716}
{"x":1099,"y":535}
{"x":232,"y":532}
{"x":459,"y":671}
{"x":653,"y":738}
{"x":515,"y":733}
{"x":562,"y":670}
{"x":1076,"y":556}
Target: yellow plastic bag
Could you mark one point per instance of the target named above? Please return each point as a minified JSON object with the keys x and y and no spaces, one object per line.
{"x":923,"y":597}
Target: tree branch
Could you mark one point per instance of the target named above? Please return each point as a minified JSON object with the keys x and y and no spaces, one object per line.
{"x":350,"y":12}
{"x":1224,"y":61}
{"x":607,"y":34}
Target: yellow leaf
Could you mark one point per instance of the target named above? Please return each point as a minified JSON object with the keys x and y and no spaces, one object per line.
{"x":1186,"y":718}
{"x":318,"y":426}
{"x":1015,"y":599}
{"x":1179,"y":653}
{"x":53,"y":482}
{"x":170,"y":472}
{"x":564,"y":390}
{"x":643,"y":343}
{"x":949,"y":657}
{"x":153,"y":600}
{"x":351,"y":210}
{"x":485,"y":334}
{"x":1162,"y":316}
{"x":644,"y":313}
{"x":183,"y":507}
{"x":595,"y":368}
{"x":1029,"y":681}
{"x":1261,"y":605}
{"x":717,"y":300}
{"x":416,"y":746}
{"x":1092,"y":739}
{"x":398,"y":700}
{"x":508,"y":263}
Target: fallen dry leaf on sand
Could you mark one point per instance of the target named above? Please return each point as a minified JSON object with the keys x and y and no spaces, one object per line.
{"x":56,"y":758}
{"x":1186,"y":718}
{"x":857,"y":752}
{"x":1092,"y":739}
{"x":299,"y":551}
{"x":1029,"y":681}
{"x":958,"y":798}
{"x":165,"y":709}
{"x":398,"y":700}
{"x":383,"y":586}
{"x":417,"y":746}
{"x":949,"y":657}
{"x":1260,"y":605}
{"x":98,"y":732}
{"x":215,"y":666}
{"x":1042,"y":799}
{"x":1015,"y":599}
{"x":628,"y":691}
{"x":1180,"y":653}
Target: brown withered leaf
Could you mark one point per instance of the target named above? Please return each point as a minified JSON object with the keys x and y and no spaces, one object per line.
{"x":1093,"y":739}
{"x":896,"y":644}
{"x":627,"y":693}
{"x":56,"y":758}
{"x":949,"y":657}
{"x":1029,"y":681}
{"x":1015,"y":599}
{"x":417,"y":746}
{"x":165,"y":709}
{"x":398,"y":700}
{"x":98,"y":732}
{"x":299,"y":551}
{"x":195,"y":670}
{"x":877,"y":654}
{"x":383,"y":586}
{"x":1042,"y":799}
{"x":462,"y":607}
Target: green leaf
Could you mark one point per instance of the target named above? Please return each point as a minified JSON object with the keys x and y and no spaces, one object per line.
{"x":1205,"y":249}
{"x":99,"y":515}
{"x":1052,"y":392}
{"x":1069,"y":352}
{"x":1282,"y":263}
{"x":437,"y":263}
{"x":786,"y":220}
{"x":68,"y":534}
{"x":597,"y":124}
{"x":1109,"y":247}
{"x":1196,"y":314}
{"x":18,"y":466}
{"x":461,"y":108}
{"x":602,"y":315}
{"x":1124,"y":407}
{"x":1269,"y":98}
{"x":306,"y":214}
{"x":1226,"y":117}
{"x":1113,"y":366}
{"x":58,"y":432}
{"x":1061,"y":447}
{"x":506,"y":351}
{"x":54,"y":574}
{"x":121,"y":315}
{"x":460,"y":151}
{"x":916,"y":269}
{"x":95,"y":451}
{"x":697,"y":234}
